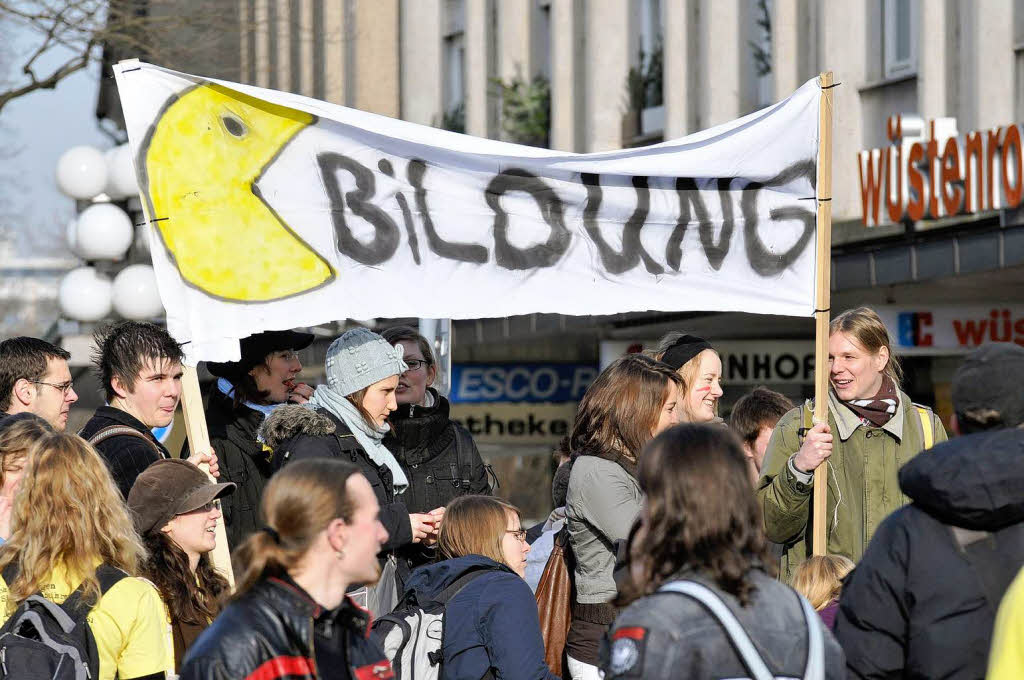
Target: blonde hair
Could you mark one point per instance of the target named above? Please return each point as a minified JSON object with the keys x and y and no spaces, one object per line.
{"x":69,"y":513}
{"x":865,"y":328}
{"x":17,"y":439}
{"x":474,"y":525}
{"x":298,"y":503}
{"x":688,"y":372}
{"x":820,"y":578}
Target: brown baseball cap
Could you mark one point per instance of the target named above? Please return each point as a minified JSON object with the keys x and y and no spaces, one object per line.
{"x":171,"y":487}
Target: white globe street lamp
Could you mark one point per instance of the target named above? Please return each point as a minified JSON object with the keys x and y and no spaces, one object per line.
{"x":82,"y":172}
{"x":104,"y":232}
{"x":121,"y":182}
{"x":85,"y":295}
{"x":135,"y":293}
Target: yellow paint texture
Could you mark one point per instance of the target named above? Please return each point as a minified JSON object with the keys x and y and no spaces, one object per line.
{"x":204,"y":156}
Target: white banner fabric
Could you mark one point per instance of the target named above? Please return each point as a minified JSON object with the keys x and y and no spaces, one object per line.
{"x":269,"y":210}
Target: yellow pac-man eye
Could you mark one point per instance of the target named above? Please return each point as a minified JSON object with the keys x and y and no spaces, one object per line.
{"x":201,"y":162}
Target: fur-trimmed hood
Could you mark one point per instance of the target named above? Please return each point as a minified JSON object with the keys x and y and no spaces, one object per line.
{"x":289,"y":421}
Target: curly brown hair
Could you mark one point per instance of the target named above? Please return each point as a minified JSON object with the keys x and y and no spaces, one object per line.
{"x":191,"y":598}
{"x":698,"y":513}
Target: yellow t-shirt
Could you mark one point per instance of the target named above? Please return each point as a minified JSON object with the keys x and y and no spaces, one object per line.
{"x":128,"y":623}
{"x":1006,"y":661}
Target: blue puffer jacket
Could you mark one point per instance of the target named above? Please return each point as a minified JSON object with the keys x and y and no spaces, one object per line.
{"x":491,"y":625}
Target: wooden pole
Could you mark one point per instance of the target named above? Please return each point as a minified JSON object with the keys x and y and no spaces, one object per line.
{"x":822,"y":297}
{"x":199,"y":440}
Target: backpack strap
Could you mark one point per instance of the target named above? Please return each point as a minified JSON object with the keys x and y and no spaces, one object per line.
{"x":10,"y":573}
{"x":806,"y":420}
{"x":110,"y":431}
{"x":464,"y":447}
{"x":926,"y":426}
{"x":107,"y":576}
{"x":461,"y":582}
{"x":751,"y":658}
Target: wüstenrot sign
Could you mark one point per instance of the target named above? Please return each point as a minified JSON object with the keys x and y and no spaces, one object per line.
{"x":928,"y":172}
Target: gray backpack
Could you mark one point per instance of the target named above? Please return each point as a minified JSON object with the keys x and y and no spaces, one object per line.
{"x":412,"y":635}
{"x":48,"y":641}
{"x":755,"y":665}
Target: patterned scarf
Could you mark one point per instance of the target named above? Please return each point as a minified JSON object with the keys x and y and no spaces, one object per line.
{"x":879,"y":409}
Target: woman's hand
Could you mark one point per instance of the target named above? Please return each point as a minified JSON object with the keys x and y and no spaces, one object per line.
{"x":438,"y":515}
{"x":300,"y":393}
{"x":422,"y":526}
{"x":816,"y":449}
{"x":210,"y":458}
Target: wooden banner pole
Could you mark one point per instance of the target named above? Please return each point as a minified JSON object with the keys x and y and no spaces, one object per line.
{"x":199,"y":440}
{"x":823,"y":278}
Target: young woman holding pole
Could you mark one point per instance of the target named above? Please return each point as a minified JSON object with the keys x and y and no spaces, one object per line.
{"x":872,"y":429}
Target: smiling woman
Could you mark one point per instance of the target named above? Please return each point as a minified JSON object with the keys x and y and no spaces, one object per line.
{"x":873,"y":429}
{"x":176,"y":509}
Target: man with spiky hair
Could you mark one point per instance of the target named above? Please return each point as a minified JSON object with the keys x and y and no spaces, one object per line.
{"x":139,"y":367}
{"x":34,"y":378}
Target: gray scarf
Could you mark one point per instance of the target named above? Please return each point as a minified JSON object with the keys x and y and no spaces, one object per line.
{"x":369,"y":436}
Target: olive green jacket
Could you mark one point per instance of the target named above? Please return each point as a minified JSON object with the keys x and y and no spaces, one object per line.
{"x":863,"y":483}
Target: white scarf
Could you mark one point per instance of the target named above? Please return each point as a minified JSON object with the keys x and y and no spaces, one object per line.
{"x":369,"y":436}
{"x":228,"y":390}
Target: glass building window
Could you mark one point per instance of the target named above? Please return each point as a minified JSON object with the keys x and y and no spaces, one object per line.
{"x":899,"y":31}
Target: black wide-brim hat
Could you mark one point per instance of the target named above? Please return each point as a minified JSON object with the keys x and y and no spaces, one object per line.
{"x":255,"y":350}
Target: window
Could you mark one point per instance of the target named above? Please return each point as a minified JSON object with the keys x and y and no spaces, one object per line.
{"x":453,"y":117}
{"x":454,"y":65}
{"x":761,"y":47}
{"x":899,"y":32}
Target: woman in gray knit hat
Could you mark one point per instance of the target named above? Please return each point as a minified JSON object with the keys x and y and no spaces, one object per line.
{"x":347,"y":419}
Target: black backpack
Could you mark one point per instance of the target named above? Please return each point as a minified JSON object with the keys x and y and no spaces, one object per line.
{"x":46,"y":641}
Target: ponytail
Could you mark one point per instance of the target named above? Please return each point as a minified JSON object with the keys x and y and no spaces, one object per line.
{"x":298,"y":503}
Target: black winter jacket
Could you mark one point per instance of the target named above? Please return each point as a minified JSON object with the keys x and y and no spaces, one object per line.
{"x":276,"y":632}
{"x":425,"y":442}
{"x":297,"y":432}
{"x":915,"y":607}
{"x":126,"y":455}
{"x":242,"y":460}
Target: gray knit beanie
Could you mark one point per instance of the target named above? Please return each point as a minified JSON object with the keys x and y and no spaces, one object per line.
{"x":359,"y":358}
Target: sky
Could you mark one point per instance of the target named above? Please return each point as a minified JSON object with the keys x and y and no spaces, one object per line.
{"x":38,"y":128}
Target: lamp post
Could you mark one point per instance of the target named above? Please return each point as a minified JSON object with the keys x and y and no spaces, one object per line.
{"x":116,"y":275}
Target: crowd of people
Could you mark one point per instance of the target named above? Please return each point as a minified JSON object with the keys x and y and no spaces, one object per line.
{"x":366,"y":542}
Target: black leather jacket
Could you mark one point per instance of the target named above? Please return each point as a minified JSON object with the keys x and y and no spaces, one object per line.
{"x":269,"y":633}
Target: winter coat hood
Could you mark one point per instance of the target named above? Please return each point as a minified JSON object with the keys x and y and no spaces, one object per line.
{"x":289,"y":421}
{"x":973,"y":481}
{"x":428,"y":581}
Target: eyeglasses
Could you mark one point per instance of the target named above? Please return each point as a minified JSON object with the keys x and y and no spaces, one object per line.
{"x":212,"y":505}
{"x":518,"y":533}
{"x":287,"y":355}
{"x":64,"y":387}
{"x":416,"y":364}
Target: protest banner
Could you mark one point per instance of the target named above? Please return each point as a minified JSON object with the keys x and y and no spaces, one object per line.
{"x":268,"y":210}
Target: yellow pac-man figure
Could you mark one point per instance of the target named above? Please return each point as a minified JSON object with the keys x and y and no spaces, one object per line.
{"x":199,"y":168}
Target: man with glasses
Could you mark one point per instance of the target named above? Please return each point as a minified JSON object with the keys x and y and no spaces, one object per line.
{"x":34,"y":378}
